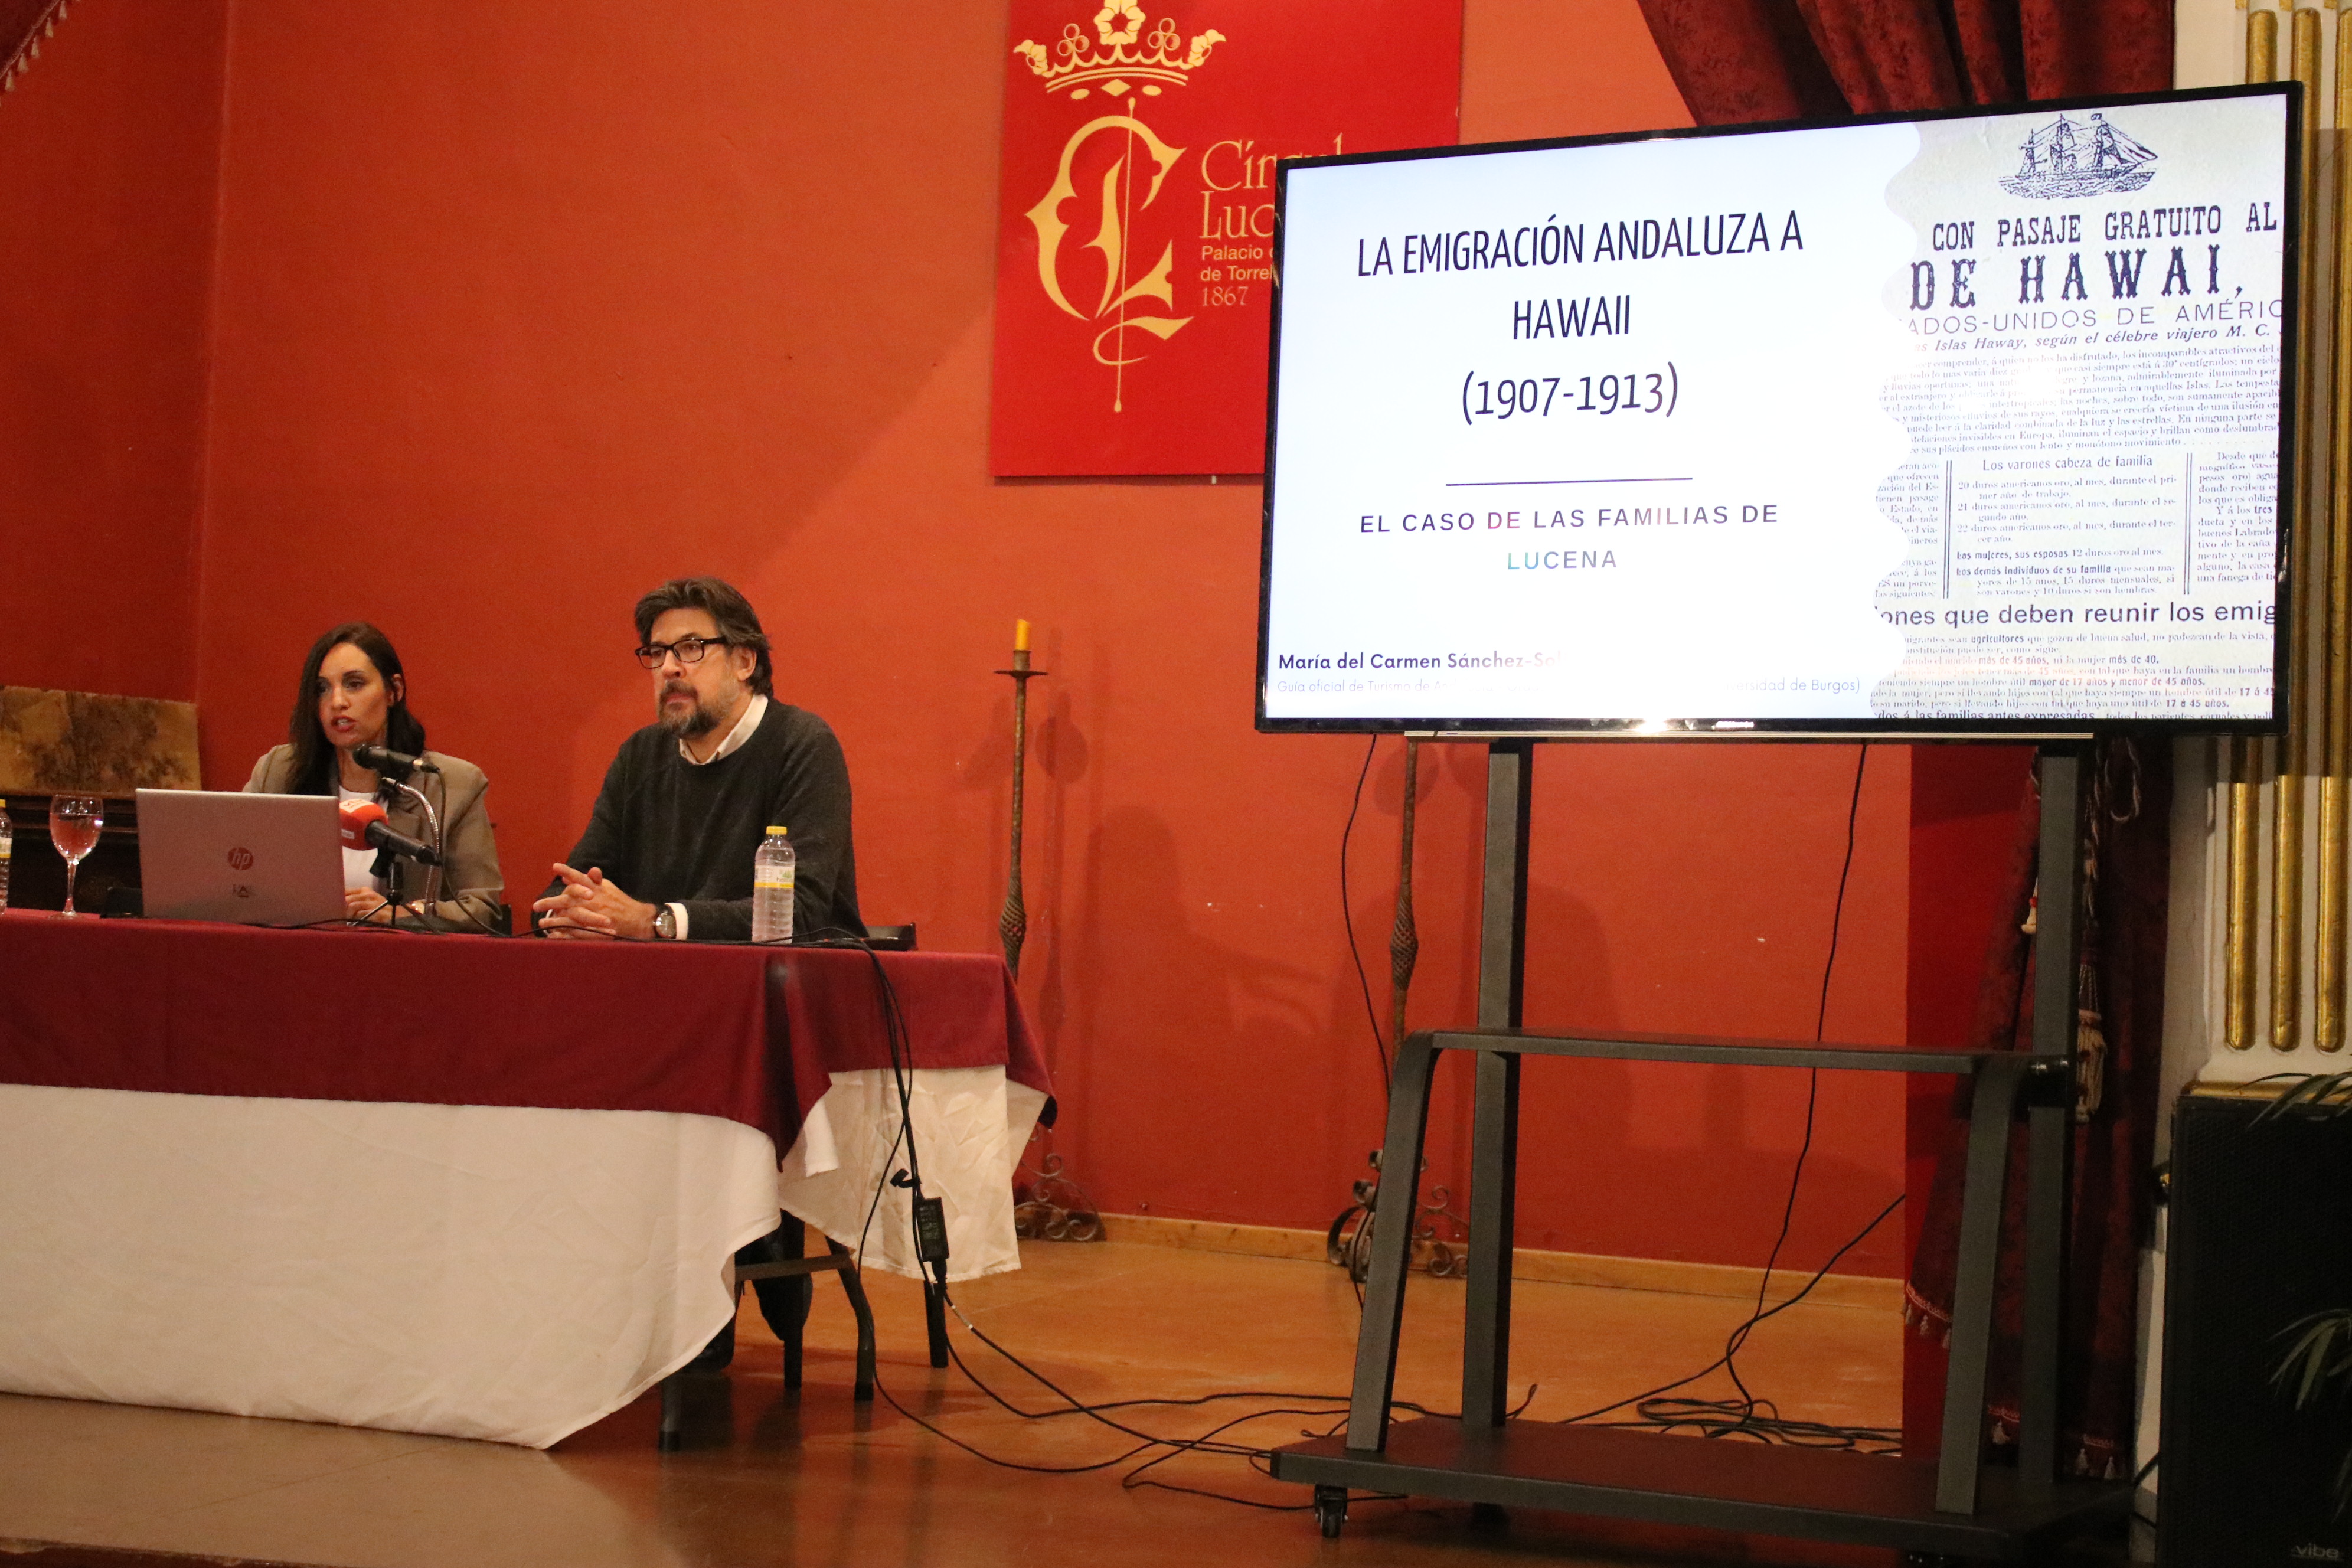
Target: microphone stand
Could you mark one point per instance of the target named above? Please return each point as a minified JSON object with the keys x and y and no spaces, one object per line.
{"x":384,"y":859}
{"x":386,"y":869}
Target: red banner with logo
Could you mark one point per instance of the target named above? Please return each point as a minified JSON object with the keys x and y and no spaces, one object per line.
{"x":1135,"y":232}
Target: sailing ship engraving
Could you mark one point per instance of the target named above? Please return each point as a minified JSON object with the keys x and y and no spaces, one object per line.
{"x":2066,"y":159}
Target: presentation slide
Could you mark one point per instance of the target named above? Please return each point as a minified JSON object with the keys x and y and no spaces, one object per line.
{"x":1969,"y":419}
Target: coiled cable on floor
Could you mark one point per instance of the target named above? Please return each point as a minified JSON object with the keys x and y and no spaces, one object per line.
{"x":1746,"y":1416}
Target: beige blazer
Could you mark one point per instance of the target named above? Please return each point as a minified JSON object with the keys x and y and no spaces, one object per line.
{"x":469,"y":884}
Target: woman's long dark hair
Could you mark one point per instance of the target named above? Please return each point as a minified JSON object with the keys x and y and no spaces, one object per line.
{"x":314,"y":755}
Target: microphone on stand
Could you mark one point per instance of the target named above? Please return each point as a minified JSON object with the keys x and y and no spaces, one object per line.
{"x":362,"y":826}
{"x":384,"y":759}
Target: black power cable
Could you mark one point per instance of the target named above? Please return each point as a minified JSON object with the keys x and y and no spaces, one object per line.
{"x":1727,"y":1418}
{"x":1812,"y":1088}
{"x":1347,"y":916}
{"x":901,"y":1062}
{"x":1748,"y":1417}
{"x":2142,"y":1475}
{"x":1209,"y":1442}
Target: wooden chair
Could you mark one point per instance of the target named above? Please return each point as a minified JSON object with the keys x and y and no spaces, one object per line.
{"x":839,"y":1259}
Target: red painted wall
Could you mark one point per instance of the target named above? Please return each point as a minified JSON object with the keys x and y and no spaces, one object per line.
{"x":109,"y":163}
{"x":522,"y":308}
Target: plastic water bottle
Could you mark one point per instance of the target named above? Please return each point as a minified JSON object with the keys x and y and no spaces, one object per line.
{"x":6,"y":843}
{"x":771,"y":889}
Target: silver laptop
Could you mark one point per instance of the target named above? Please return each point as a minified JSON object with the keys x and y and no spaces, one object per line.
{"x":260,"y":860}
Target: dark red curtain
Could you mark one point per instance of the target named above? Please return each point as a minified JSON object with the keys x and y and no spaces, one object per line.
{"x":2119,"y":1047}
{"x":22,"y":24}
{"x":1738,"y":61}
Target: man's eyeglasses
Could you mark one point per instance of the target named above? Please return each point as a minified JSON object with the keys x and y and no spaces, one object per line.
{"x":689,"y":650}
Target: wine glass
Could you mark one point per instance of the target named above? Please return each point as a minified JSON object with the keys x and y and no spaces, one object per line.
{"x":74,"y":822}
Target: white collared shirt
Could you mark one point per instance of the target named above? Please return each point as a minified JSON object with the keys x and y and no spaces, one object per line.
{"x":753,"y":711}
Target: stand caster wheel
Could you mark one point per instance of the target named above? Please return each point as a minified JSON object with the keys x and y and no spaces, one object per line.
{"x":1330,"y":1511}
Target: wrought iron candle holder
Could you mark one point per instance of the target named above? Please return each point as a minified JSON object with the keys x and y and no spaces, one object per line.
{"x":1439,"y":1233}
{"x":1404,"y":938}
{"x":1050,"y":1205}
{"x":1349,"y":1242}
{"x":1013,"y":923}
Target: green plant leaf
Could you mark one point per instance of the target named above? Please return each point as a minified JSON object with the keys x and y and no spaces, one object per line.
{"x":2320,"y":1357}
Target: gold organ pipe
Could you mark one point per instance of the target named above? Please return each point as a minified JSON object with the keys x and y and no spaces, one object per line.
{"x":2294,"y":748}
{"x":2334,"y":832}
{"x":2239,"y":796}
{"x":2244,"y":803}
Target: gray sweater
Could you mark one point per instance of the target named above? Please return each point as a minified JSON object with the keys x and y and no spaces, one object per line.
{"x":668,"y":831}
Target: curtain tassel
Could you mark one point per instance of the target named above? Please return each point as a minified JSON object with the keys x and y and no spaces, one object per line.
{"x":2090,"y":1063}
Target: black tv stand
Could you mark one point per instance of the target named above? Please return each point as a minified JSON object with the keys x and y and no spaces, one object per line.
{"x":1951,"y":1506}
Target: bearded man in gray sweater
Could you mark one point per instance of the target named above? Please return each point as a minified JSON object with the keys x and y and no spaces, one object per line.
{"x":667,"y":854}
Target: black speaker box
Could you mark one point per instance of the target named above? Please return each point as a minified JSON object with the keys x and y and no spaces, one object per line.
{"x":2261,"y":1237}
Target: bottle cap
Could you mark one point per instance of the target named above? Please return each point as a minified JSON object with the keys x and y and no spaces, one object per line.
{"x":773,"y":831}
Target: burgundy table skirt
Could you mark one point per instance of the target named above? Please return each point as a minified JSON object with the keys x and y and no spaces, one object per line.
{"x":403,"y":1181}
{"x":727,"y":1030}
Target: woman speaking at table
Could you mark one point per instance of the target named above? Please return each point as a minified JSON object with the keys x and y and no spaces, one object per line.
{"x":353,"y":694}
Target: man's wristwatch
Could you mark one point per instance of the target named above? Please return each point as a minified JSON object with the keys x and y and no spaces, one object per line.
{"x":666,"y":923}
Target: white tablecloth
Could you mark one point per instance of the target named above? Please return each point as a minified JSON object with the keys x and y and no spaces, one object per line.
{"x":970,"y":1125}
{"x":495,"y":1272}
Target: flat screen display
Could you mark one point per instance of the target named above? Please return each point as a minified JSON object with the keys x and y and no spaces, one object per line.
{"x":1962,"y":424}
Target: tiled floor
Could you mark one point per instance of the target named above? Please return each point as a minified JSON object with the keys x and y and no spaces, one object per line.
{"x":771,"y":1478}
